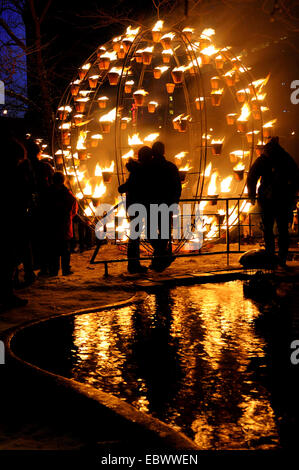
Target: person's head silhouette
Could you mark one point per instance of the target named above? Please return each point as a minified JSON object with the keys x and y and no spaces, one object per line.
{"x":145,"y":154}
{"x":158,"y":149}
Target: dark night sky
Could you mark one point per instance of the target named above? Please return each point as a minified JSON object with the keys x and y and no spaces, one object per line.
{"x":72,"y":30}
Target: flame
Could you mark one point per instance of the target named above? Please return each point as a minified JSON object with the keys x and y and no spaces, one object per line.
{"x":182,"y":68}
{"x":217,"y":92}
{"x":110,"y":168}
{"x":209,"y":51}
{"x":188,"y":30}
{"x":239,"y":167}
{"x":245,"y":113}
{"x":217,"y":141}
{"x":230,"y":73}
{"x":158,"y":26}
{"x":153,"y":103}
{"x":245,"y":207}
{"x":94,"y":77}
{"x":259,"y":97}
{"x":129,"y":154}
{"x":85,"y":92}
{"x":134,"y":140}
{"x":167,"y":51}
{"x":212,"y":188}
{"x":140,"y":92}
{"x":270,"y":123}
{"x":132,"y":32}
{"x":162,"y":68}
{"x":129,"y":82}
{"x":86,"y":67}
{"x":252,"y":133}
{"x":83,"y":100}
{"x":99,"y":190}
{"x":240,"y":153}
{"x":117,"y":70}
{"x":97,"y":137}
{"x":109,"y":55}
{"x":244,"y":90}
{"x":151,"y":137}
{"x":65,"y":108}
{"x":168,"y":36}
{"x":259,"y":84}
{"x":221,"y":212}
{"x":117,"y":39}
{"x":98,"y":170}
{"x":89,"y":211}
{"x":81,"y":140}
{"x":207,"y":33}
{"x":185,"y":168}
{"x":226,"y":184}
{"x":148,"y":49}
{"x":195,"y":63}
{"x":208,"y":170}
{"x":180,"y":155}
{"x":109,"y":117}
{"x":78,"y":174}
{"x":65,"y":125}
{"x":87,"y":191}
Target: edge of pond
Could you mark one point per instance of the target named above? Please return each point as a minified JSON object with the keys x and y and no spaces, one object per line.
{"x":138,"y":423}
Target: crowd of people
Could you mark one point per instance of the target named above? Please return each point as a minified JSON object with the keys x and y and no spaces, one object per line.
{"x":38,"y":210}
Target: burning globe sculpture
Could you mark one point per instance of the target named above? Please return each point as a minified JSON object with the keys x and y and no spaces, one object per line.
{"x":179,"y":87}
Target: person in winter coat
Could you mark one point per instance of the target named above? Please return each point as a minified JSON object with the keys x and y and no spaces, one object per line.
{"x":137,"y":192}
{"x":166,"y":189}
{"x":60,"y":206}
{"x":276,"y":194}
{"x":16,"y":194}
{"x":43,"y":174}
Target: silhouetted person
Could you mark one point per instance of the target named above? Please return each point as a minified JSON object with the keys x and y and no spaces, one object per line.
{"x":16,"y":199}
{"x":276,"y":195}
{"x":137,"y":192}
{"x":165,"y":189}
{"x":61,"y":206}
{"x":43,"y":174}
